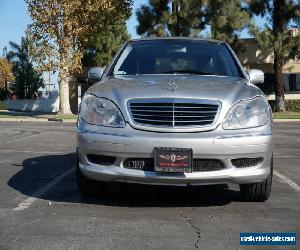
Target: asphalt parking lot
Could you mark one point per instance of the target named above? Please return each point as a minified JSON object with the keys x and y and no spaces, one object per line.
{"x":40,"y":207}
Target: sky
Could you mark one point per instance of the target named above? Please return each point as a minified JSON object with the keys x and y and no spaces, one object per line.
{"x":132,"y":23}
{"x":14,"y":20}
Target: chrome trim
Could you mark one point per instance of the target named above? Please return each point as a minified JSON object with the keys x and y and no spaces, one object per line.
{"x":164,"y":128}
{"x":81,"y":131}
{"x":242,"y":135}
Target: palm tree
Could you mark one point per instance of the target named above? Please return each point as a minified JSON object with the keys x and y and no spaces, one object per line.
{"x":28,"y":80}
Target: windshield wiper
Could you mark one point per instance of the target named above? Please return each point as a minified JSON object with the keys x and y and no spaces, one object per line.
{"x":187,"y":71}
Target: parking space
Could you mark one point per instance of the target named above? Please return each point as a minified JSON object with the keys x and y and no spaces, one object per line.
{"x":40,"y":206}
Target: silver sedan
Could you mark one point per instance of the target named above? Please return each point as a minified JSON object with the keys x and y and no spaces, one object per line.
{"x":175,"y":111}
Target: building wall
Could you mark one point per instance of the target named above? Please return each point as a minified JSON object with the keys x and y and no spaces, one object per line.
{"x":263,"y":59}
{"x":50,"y":105}
{"x":255,"y":57}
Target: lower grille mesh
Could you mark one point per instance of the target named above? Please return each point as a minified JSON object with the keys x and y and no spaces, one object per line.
{"x":101,"y":159}
{"x":246,"y":162}
{"x":202,"y":165}
{"x":199,"y":165}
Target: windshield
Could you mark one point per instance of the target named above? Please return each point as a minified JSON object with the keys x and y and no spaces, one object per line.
{"x":175,"y":56}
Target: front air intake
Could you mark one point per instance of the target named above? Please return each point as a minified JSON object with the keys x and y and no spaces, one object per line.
{"x":246,"y":162}
{"x":101,"y":159}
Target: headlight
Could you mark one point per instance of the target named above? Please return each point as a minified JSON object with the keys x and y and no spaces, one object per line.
{"x":100,"y":111}
{"x":247,"y":114}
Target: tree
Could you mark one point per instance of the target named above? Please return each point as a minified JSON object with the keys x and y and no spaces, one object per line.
{"x":171,"y":18}
{"x":226,"y":19}
{"x":6,"y":75}
{"x":278,"y":36}
{"x":104,"y":45}
{"x":62,"y":29}
{"x":190,"y":17}
{"x":27,"y":79}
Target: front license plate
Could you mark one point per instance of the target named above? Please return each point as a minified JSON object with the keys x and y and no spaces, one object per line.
{"x":173,"y":160}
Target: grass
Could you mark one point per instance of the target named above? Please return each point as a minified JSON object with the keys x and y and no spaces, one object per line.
{"x":286,"y":115}
{"x":66,"y":117}
{"x":3,"y":105}
{"x":12,"y":116}
{"x":45,"y":116}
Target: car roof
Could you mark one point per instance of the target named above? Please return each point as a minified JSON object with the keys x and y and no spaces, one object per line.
{"x":175,"y":38}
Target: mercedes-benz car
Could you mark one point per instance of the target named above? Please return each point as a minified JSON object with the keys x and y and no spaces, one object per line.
{"x":175,"y":111}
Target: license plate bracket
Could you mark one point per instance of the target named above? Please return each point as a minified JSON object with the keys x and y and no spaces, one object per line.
{"x":173,"y":160}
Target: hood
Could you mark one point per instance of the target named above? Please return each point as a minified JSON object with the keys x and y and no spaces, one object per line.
{"x":227,"y":90}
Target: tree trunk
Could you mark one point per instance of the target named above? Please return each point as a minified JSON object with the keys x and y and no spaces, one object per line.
{"x":64,"y":102}
{"x":177,"y":23}
{"x":278,"y":27}
{"x":6,"y":88}
{"x":214,"y":12}
{"x":212,"y":29}
{"x":278,"y":84}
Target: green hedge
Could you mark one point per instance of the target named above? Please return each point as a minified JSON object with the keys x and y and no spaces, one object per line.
{"x":3,"y":105}
{"x":290,"y":105}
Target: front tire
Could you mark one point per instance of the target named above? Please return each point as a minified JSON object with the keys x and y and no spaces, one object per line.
{"x":257,"y":191}
{"x":88,"y":187}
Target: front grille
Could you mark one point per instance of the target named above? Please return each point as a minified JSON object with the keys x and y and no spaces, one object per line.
{"x":199,"y":165}
{"x":246,"y":162}
{"x":173,"y":113}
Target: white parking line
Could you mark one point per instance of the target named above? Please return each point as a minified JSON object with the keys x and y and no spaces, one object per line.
{"x":287,"y":156}
{"x":288,"y":181}
{"x":22,"y":138}
{"x":5,"y":162}
{"x":39,"y":193}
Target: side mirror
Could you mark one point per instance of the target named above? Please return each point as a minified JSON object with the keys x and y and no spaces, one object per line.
{"x":256,"y":76}
{"x":95,"y":74}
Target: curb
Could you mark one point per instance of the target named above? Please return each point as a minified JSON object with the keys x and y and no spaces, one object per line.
{"x":26,"y":119}
{"x":55,"y":120}
{"x":286,"y":120}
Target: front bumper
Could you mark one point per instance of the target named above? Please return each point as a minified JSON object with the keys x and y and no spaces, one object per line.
{"x":124,"y":143}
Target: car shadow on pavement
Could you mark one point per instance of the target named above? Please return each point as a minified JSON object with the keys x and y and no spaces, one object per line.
{"x":39,"y":171}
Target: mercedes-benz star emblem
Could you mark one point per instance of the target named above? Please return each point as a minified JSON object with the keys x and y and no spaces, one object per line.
{"x":173,"y":85}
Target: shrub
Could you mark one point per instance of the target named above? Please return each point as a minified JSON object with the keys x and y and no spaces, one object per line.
{"x":290,"y":105}
{"x":3,"y":105}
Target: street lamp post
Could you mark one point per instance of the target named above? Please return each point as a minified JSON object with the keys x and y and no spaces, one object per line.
{"x":4,"y":53}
